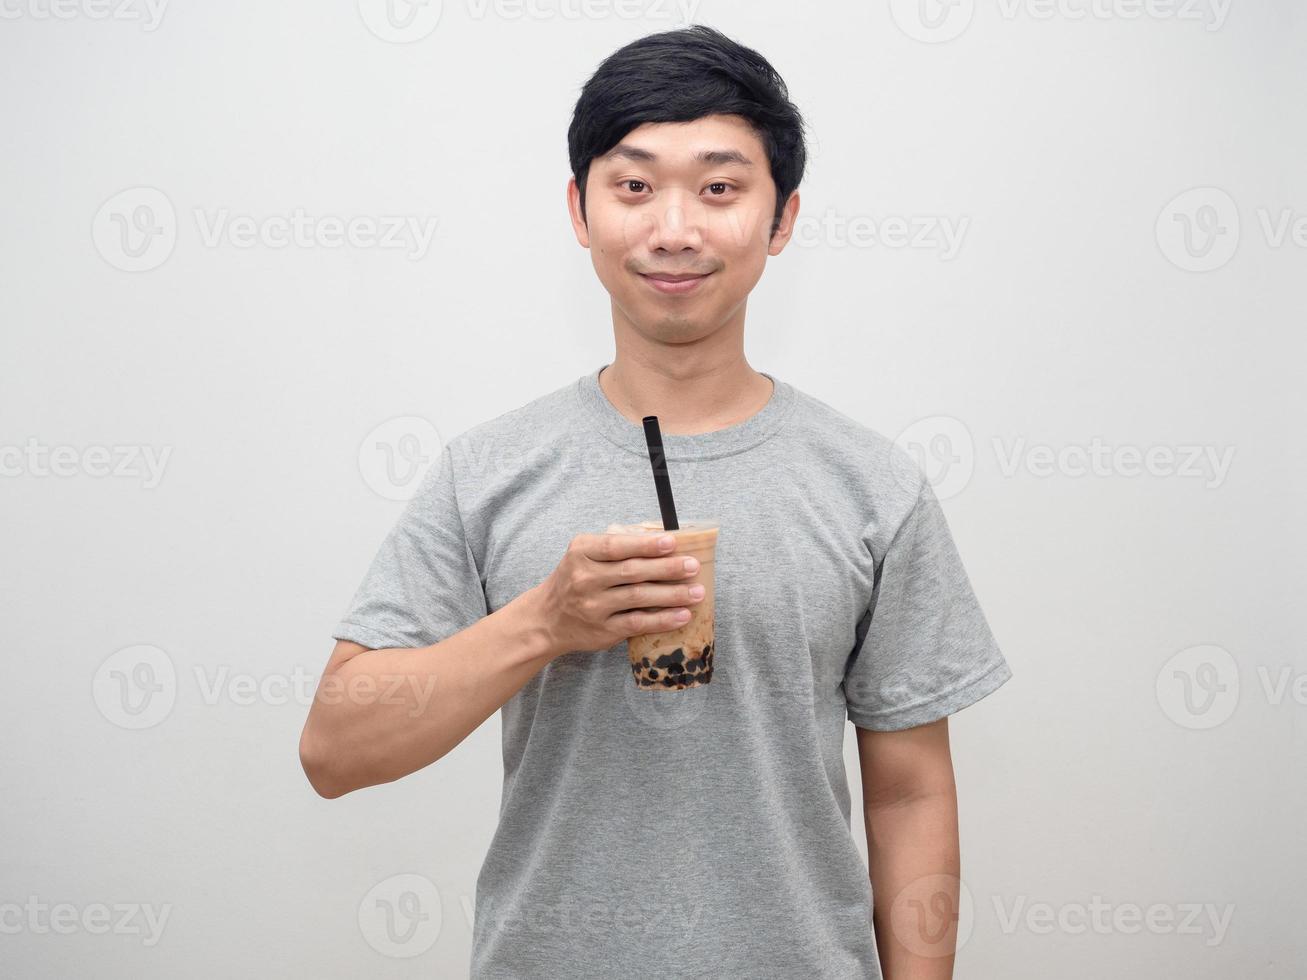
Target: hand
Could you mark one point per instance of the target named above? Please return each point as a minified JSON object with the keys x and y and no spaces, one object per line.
{"x":612,"y":586}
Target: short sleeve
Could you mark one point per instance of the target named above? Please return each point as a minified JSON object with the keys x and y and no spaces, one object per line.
{"x":423,"y":585}
{"x":925,"y":649}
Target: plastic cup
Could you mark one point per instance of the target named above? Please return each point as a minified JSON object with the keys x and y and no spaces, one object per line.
{"x":681,"y":658}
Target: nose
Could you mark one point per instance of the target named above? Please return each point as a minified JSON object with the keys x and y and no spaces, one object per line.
{"x":672,"y":223}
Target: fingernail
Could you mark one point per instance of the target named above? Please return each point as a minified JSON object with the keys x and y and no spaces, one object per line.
{"x":691,"y":564}
{"x":682,"y":615}
{"x":696,"y":591}
{"x":666,"y":541}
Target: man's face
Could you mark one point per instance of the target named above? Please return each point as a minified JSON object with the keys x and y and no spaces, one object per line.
{"x":678,"y":200}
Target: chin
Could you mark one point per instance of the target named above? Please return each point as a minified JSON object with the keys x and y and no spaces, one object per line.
{"x":679,"y":331}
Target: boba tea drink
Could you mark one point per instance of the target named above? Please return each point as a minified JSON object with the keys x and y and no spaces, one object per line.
{"x":680,"y":658}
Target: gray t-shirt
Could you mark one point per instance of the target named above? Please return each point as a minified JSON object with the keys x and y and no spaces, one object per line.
{"x":646,"y":833}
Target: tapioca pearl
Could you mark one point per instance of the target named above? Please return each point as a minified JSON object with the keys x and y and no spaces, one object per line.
{"x":706,"y":650}
{"x":676,"y":669}
{"x":669,"y":682}
{"x":693,"y":665}
{"x":645,"y":661}
{"x":654,"y":673}
{"x":675,"y":657}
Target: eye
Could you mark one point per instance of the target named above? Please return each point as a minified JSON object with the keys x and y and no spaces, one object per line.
{"x":626,"y":184}
{"x":725,"y":186}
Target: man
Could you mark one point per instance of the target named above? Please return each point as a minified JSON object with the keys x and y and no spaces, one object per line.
{"x":705,"y":832}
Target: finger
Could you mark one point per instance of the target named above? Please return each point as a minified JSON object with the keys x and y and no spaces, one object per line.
{"x":648,"y":595}
{"x":673,"y":568}
{"x":616,"y":547}
{"x":642,"y":621}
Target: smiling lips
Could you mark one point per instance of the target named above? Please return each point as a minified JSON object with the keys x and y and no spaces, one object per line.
{"x":666,"y":282}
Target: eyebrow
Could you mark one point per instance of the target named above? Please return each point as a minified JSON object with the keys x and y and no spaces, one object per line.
{"x":716,"y":157}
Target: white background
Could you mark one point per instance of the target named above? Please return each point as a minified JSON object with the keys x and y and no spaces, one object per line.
{"x":1064,"y":139}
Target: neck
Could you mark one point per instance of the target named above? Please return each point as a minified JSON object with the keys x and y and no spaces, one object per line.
{"x":693,"y":388}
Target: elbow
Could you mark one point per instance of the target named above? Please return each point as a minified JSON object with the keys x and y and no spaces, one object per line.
{"x":316,"y":759}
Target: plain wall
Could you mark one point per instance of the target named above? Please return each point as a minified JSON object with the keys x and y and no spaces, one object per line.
{"x":1092,"y":332}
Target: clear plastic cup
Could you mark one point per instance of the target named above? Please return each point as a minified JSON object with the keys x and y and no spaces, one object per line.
{"x":681,"y":658}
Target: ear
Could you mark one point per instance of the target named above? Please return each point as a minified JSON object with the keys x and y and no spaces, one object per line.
{"x":785,"y":228}
{"x":574,"y":212}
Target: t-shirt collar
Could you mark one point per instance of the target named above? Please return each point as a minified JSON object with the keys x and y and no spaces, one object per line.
{"x":628,"y":435}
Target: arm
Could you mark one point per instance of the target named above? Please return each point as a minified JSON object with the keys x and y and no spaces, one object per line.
{"x":382,"y":714}
{"x":910,"y":813}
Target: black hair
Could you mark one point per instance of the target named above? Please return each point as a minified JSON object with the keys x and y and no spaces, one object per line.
{"x":680,"y":76}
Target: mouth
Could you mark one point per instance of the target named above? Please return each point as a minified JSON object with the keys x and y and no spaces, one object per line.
{"x":674,"y":284}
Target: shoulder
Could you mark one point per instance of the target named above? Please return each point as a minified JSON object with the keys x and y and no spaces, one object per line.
{"x":857,"y":454}
{"x":504,"y":446}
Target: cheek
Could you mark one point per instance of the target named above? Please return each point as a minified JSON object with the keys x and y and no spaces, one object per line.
{"x":740,"y":240}
{"x":606,"y":241}
{"x":740,"y":232}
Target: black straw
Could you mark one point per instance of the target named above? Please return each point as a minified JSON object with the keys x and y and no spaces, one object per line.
{"x":654,"y":437}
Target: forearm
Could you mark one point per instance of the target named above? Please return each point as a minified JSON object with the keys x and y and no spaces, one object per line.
{"x":383,"y":714}
{"x":913,"y":855}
